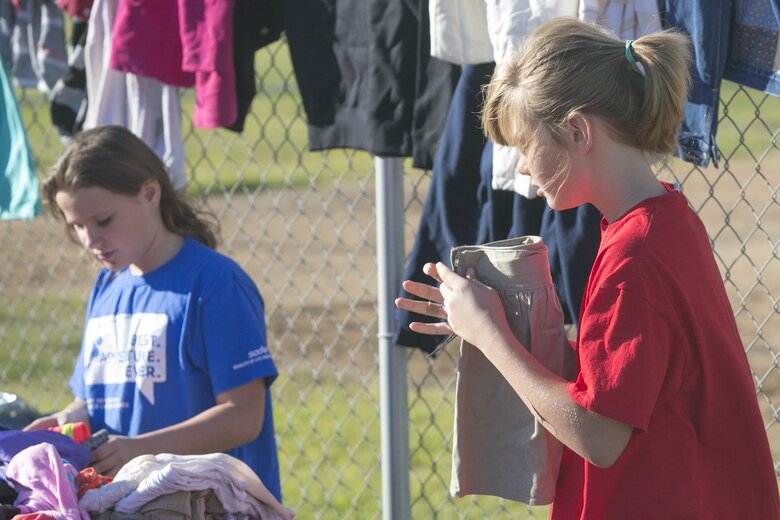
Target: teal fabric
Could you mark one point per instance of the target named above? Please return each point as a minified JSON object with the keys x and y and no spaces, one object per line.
{"x":19,"y":194}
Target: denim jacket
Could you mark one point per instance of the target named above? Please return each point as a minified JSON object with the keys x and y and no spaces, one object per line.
{"x":753,"y":45}
{"x":743,"y":52}
{"x":708,"y":27}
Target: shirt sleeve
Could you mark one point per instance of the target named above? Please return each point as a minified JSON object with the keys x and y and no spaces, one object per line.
{"x":624,"y":354}
{"x":234,"y":334}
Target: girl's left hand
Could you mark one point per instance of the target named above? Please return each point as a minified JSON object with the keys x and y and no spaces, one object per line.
{"x":429,"y":305}
{"x":109,"y":457}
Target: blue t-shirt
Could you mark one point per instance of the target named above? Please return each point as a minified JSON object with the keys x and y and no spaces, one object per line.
{"x":158,"y":348}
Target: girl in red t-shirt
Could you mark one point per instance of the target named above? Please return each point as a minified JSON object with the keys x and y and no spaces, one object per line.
{"x":662,"y":419}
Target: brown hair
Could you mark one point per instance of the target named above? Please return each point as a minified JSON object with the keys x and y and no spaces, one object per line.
{"x":568,"y":65}
{"x":113,"y":158}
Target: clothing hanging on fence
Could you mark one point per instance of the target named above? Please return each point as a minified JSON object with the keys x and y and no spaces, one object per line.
{"x":69,"y":94}
{"x":255,"y":25}
{"x":157,"y":54}
{"x":7,"y":22}
{"x":464,"y":31}
{"x":450,"y":211}
{"x":461,"y":207}
{"x":627,"y":20}
{"x":708,"y":27}
{"x":193,"y":46}
{"x":499,"y":446}
{"x":19,"y":194}
{"x":366,"y":76}
{"x":32,"y":45}
{"x":754,"y":45}
{"x":146,"y":106}
{"x":76,"y":8}
{"x":38,"y":54}
{"x":737,"y":40}
{"x":206,"y":45}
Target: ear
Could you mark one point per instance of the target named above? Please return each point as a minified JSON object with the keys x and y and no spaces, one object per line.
{"x":150,"y":192}
{"x":579,"y":127}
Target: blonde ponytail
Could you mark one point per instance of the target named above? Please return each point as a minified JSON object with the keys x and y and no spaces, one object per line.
{"x":665,"y":58}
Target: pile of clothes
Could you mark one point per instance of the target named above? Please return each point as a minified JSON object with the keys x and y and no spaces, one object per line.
{"x":46,"y":475}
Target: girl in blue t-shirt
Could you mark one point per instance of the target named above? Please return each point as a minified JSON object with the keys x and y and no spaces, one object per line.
{"x":174,"y":357}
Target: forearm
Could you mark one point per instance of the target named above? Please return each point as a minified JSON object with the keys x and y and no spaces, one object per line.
{"x":217,"y":429}
{"x":235,"y":419}
{"x":75,"y":411}
{"x":596,"y":438}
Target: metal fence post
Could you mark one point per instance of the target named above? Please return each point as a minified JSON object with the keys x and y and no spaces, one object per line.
{"x":392,"y":360}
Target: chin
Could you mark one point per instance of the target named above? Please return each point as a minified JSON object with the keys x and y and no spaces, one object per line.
{"x":113,"y":266}
{"x":553,"y":203}
{"x":556,"y":205}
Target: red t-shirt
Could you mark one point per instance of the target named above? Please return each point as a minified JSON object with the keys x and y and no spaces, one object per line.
{"x":659,"y":350}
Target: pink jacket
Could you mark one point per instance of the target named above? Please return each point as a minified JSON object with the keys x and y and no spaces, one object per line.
{"x":183,"y":43}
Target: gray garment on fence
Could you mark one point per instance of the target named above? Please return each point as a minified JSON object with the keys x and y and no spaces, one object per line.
{"x":499,"y":447}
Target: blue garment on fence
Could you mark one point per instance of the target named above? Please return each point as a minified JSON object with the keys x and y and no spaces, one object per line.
{"x":708,"y":27}
{"x":451,"y":208}
{"x":19,"y":195}
{"x":742,"y":49}
{"x":462,"y":208}
{"x":753,"y":45}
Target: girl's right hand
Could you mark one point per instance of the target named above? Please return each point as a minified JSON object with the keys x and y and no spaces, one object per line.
{"x":76,"y":411}
{"x":42,"y":423}
{"x":430,"y":304}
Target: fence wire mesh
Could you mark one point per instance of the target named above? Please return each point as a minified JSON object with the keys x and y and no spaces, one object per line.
{"x":303,"y":225}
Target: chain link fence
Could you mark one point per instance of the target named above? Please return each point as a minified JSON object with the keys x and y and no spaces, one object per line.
{"x":303,"y":225}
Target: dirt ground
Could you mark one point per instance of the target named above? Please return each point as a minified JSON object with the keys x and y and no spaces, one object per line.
{"x":313,"y":255}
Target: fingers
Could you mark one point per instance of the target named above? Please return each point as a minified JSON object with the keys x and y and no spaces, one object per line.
{"x":426,"y":308}
{"x":41,"y":424}
{"x":448,"y":277}
{"x":100,"y":458}
{"x":430,"y":270}
{"x":107,"y":459}
{"x":453,"y":280}
{"x":423,"y":290}
{"x":431,"y":329}
{"x":450,"y":281}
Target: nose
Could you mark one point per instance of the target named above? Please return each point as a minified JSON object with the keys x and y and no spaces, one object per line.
{"x":522,"y":165}
{"x":89,"y":236}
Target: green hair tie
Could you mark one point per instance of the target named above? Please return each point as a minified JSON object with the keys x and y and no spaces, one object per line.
{"x":629,"y":55}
